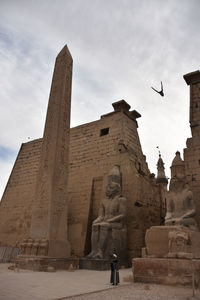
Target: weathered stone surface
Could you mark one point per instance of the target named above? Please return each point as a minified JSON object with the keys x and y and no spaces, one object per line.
{"x":160,"y":242}
{"x":16,"y":204}
{"x":171,"y":252}
{"x":165,"y":270}
{"x":39,"y":263}
{"x":109,"y":230}
{"x":96,"y":154}
{"x":192,"y":152}
{"x":180,"y":204}
{"x":94,"y":264}
{"x":49,"y":219}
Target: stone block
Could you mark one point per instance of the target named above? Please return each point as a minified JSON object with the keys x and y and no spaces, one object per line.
{"x":157,"y":241}
{"x":94,"y":264}
{"x":165,"y":270}
{"x":39,"y":263}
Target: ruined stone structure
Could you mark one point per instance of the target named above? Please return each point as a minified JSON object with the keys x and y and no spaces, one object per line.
{"x":192,"y":152}
{"x":172,"y":252}
{"x":51,"y":200}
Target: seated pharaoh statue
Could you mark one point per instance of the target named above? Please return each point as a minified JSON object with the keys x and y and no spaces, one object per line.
{"x":109,"y":229}
{"x":180,"y":204}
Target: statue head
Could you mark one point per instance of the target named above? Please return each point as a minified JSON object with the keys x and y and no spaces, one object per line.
{"x":114,"y":182}
{"x":177,"y":184}
{"x":112,"y":189}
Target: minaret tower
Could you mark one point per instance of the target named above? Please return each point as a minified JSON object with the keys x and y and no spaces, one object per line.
{"x":161,"y":178}
{"x":162,"y":182}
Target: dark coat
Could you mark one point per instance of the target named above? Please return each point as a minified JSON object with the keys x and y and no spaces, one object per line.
{"x":114,"y":276}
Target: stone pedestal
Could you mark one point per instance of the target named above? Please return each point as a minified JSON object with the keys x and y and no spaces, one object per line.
{"x":94,"y":264}
{"x":41,"y":263}
{"x":166,"y":270}
{"x":171,"y":256}
{"x":172,"y":241}
{"x":98,"y":264}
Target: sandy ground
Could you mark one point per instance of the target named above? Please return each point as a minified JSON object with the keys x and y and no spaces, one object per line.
{"x":138,"y":291}
{"x":82,"y":284}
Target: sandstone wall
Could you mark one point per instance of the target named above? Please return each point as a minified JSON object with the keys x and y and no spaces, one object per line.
{"x":17,"y":200}
{"x":94,"y":149}
{"x":139,"y":188}
{"x":192,"y":152}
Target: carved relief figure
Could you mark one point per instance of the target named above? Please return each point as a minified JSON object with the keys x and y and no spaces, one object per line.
{"x":179,"y":242}
{"x":109,"y":229}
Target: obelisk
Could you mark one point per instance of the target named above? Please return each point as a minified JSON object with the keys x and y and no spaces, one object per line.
{"x":49,"y":219}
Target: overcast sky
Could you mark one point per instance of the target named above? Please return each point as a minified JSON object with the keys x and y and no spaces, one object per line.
{"x":120,"y":49}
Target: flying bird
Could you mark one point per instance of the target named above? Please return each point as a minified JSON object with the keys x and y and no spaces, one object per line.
{"x":159,"y":92}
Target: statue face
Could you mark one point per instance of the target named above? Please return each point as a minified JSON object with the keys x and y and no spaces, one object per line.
{"x":112,"y":189}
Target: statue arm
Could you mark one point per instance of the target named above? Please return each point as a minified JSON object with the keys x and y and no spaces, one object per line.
{"x":115,"y":219}
{"x":190,"y":213}
{"x":100,"y":218}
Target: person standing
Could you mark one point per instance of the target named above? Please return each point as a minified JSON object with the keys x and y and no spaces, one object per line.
{"x":114,"y":266}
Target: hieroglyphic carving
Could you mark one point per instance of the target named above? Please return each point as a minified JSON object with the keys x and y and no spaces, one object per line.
{"x":49,"y":218}
{"x":179,"y":244}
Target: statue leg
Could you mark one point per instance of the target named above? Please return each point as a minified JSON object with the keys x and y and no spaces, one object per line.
{"x":94,"y":240}
{"x":103,"y":241}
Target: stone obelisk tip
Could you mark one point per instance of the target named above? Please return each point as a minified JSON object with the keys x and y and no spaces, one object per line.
{"x":64,"y":51}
